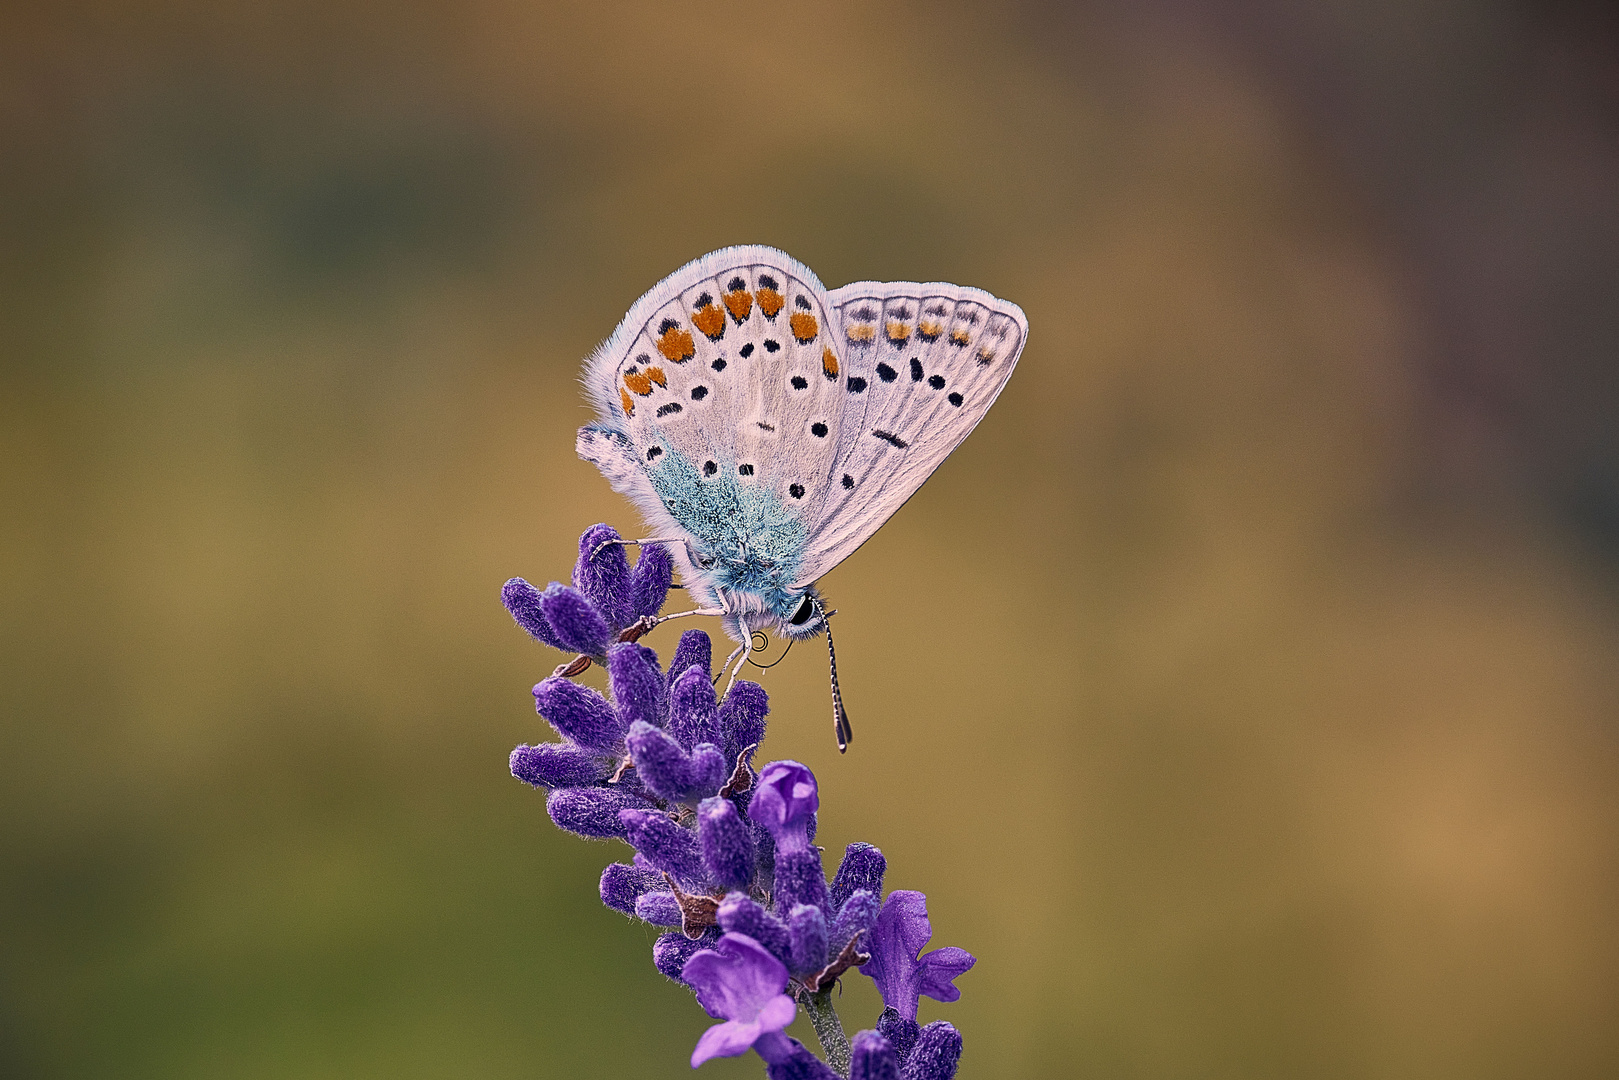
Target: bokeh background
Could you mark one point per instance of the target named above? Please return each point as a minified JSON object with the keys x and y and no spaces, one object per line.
{"x":1244,"y":693}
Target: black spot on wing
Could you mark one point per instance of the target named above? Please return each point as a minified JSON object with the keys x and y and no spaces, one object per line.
{"x":848,"y":482}
{"x":767,"y":282}
{"x":800,"y":383}
{"x":772,"y":346}
{"x":710,"y":468}
{"x":747,"y":350}
{"x":802,"y":303}
{"x":886,"y":373}
{"x":916,"y":369}
{"x":744,"y":470}
{"x":796,"y":491}
{"x":719,"y":365}
{"x":818,"y":430}
{"x":654,"y":452}
{"x":672,"y":407}
{"x":857,"y":385}
{"x":891,"y":439}
{"x":698,"y":393}
{"x":936,"y":381}
{"x":955,"y":399}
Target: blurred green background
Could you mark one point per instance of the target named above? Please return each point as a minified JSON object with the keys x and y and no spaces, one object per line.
{"x":1244,"y":693}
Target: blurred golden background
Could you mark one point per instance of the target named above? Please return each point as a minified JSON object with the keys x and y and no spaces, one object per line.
{"x":1243,"y":693}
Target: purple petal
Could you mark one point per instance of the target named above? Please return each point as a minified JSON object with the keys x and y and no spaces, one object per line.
{"x":727,"y":843}
{"x":725,"y":1040}
{"x":862,"y":867}
{"x":649,"y":582}
{"x":708,"y":771}
{"x":558,"y":765}
{"x":736,"y":978}
{"x":579,"y":714}
{"x":591,"y":812}
{"x":576,"y":622}
{"x":523,"y":601}
{"x":666,"y":845}
{"x":936,"y":1055}
{"x":671,"y":951}
{"x":783,"y":801}
{"x":742,"y":717}
{"x":604,"y":576}
{"x":789,"y":1060}
{"x":938,"y":968}
{"x":694,"y":648}
{"x":637,"y":683}
{"x":622,"y":885}
{"x":740,"y":915}
{"x":901,"y":931}
{"x":872,"y":1058}
{"x":693,"y":717}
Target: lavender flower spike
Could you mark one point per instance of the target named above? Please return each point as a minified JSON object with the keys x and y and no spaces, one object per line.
{"x":739,"y":982}
{"x":901,"y":976}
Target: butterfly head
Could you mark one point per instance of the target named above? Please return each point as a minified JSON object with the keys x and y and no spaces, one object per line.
{"x":801,"y":615}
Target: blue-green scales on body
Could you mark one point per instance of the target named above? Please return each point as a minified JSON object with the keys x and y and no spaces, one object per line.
{"x":755,"y":541}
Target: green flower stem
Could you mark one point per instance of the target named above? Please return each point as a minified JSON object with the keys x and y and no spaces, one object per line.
{"x":828,"y":1029}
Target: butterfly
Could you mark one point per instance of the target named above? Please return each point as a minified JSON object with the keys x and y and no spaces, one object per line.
{"x":766,"y":427}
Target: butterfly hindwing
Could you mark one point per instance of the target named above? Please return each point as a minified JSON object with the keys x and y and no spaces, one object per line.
{"x":924,"y":363}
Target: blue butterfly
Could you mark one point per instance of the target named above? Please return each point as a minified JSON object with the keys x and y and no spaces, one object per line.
{"x":766,"y":427}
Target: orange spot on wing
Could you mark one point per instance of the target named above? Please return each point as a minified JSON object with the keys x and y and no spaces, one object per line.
{"x":710,"y":320}
{"x":958,"y":337}
{"x":656,"y":375}
{"x":629,"y":405}
{"x":898,"y":333}
{"x":862,"y":333}
{"x":639,"y":382}
{"x":829,"y":362}
{"x":929,"y":331}
{"x":986,"y":354}
{"x":804,"y":326}
{"x":676,"y":344}
{"x":739,"y":304}
{"x":770,"y":302}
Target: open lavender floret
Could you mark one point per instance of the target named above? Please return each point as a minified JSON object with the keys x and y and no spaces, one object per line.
{"x":723,"y":855}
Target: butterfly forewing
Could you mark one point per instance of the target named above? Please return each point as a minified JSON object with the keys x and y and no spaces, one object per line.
{"x":725,"y":372}
{"x":924,"y":364}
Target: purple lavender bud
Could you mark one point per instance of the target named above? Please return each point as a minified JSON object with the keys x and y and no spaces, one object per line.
{"x":579,"y":714}
{"x":523,"y":601}
{"x":806,"y":940}
{"x":666,"y":845}
{"x":557,"y":765}
{"x":740,"y":915}
{"x":622,"y":884}
{"x":742,"y":717}
{"x":783,"y":801}
{"x":577,"y":624}
{"x":604,"y":576}
{"x":797,"y":1063}
{"x":872,"y":1058}
{"x":693,"y":648}
{"x":862,"y":867}
{"x":708,"y":771}
{"x":936,"y":1055}
{"x":727,"y":844}
{"x":637,"y":684}
{"x":661,"y":764}
{"x":591,"y":811}
{"x":799,"y":880}
{"x":692,"y":715}
{"x":900,"y":1032}
{"x":658,"y":908}
{"x":649,"y":582}
{"x":857,"y":916}
{"x":671,"y":951}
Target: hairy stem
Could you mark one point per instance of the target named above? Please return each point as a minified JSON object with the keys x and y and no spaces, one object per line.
{"x":828,"y":1029}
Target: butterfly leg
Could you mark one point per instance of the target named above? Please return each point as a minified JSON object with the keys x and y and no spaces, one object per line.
{"x":597,"y":550}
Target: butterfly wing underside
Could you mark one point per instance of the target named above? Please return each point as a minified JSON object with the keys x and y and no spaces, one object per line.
{"x":729,"y":370}
{"x":922,"y":365}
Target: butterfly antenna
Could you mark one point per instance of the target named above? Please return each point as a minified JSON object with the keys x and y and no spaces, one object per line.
{"x":840,"y":719}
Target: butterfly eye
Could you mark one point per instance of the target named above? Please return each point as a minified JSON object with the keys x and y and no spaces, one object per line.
{"x":805,"y":610}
